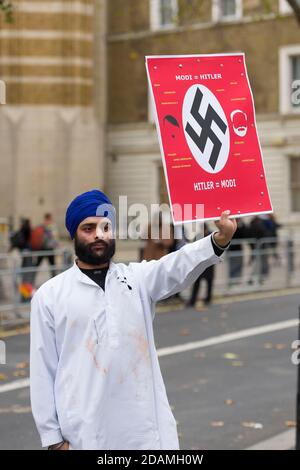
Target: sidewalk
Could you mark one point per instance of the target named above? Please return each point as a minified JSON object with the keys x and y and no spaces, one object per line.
{"x":284,"y":441}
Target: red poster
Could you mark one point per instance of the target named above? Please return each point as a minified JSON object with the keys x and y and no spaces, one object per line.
{"x":206,"y":126}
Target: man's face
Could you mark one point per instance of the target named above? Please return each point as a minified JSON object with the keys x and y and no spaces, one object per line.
{"x":94,"y":241}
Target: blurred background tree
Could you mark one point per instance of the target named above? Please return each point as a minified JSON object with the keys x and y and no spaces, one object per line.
{"x":7,"y":8}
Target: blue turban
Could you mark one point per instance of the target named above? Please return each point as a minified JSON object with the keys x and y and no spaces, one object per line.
{"x":90,"y":204}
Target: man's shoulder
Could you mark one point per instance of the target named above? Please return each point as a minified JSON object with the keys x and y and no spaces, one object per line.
{"x":128,"y":269}
{"x":55,"y":282}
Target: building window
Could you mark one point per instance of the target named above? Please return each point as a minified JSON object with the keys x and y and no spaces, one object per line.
{"x":227,"y":10}
{"x":295,"y":183}
{"x":284,"y":7}
{"x":289,"y":79}
{"x":163,"y":13}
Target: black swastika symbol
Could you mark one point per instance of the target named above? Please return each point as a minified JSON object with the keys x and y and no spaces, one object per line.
{"x":206,"y":129}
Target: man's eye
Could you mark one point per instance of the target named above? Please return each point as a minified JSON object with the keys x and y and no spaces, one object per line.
{"x":106,"y":228}
{"x":87,"y":229}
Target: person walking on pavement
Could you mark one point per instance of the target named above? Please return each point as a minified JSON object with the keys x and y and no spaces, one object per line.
{"x":208,"y":276}
{"x":236,"y":255}
{"x":259,"y":257}
{"x":95,"y":379}
{"x":45,"y":238}
{"x":21,"y":240}
{"x":156,"y":248}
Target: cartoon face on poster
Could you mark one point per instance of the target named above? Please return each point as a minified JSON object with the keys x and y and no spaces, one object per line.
{"x":208,"y":138}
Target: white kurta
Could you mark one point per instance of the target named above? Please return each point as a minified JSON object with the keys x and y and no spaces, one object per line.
{"x":94,"y":373}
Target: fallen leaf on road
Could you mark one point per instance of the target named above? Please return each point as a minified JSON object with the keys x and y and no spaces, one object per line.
{"x":268,"y":345}
{"x":237,"y":363}
{"x":280,"y":346}
{"x":229,"y":402}
{"x":230,"y":356}
{"x":202,"y":381}
{"x":3,"y":377}
{"x":250,"y":424}
{"x":186,"y":386}
{"x":239,"y":437}
{"x":19,"y":373}
{"x":290,"y":424}
{"x":217,"y":424}
{"x":21,"y":409}
{"x":22,"y":365}
{"x":276,"y":410}
{"x":199,"y":355}
{"x":16,"y":409}
{"x":200,"y":308}
{"x":184,"y":332}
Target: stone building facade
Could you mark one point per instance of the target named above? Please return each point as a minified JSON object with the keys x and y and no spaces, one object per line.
{"x":52,"y":128}
{"x":270,"y":38}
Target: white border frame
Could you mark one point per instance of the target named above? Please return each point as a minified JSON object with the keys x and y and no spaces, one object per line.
{"x":285,"y":89}
{"x":150,"y":104}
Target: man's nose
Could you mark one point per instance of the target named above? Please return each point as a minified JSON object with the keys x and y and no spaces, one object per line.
{"x":99,"y":232}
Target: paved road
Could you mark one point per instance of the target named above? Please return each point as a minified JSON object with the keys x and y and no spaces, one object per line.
{"x":218,"y":391}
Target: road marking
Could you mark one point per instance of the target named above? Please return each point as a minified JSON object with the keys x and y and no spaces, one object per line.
{"x":284,"y":441}
{"x":16,"y":409}
{"x":15,"y":385}
{"x":243,"y":297}
{"x":230,"y":299}
{"x":258,"y":330}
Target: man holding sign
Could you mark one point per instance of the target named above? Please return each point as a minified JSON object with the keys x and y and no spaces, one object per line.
{"x":94,"y":373}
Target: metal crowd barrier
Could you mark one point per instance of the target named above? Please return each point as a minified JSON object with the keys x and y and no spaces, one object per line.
{"x":256,"y":265}
{"x":20,"y":276}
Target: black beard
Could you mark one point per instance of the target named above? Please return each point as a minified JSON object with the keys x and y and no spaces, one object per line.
{"x":86,"y":255}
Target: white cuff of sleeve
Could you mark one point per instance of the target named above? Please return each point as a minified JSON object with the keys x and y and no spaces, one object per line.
{"x":51,"y":437}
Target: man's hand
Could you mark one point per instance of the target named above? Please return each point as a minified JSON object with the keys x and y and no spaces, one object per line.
{"x":64,"y":445}
{"x":227,"y":228}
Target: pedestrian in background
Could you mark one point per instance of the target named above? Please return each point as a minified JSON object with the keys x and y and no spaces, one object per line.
{"x":45,"y":238}
{"x":235,"y":253}
{"x":21,"y":240}
{"x":207,"y":276}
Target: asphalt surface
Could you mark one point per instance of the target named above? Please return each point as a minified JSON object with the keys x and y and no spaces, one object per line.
{"x":224,"y":396}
